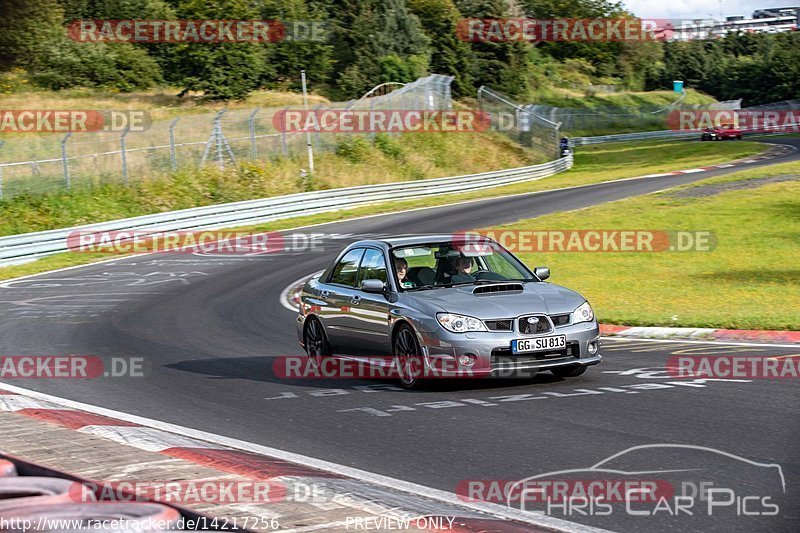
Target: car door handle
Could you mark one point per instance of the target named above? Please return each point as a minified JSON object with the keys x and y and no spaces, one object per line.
{"x":355,"y":300}
{"x":324,"y":295}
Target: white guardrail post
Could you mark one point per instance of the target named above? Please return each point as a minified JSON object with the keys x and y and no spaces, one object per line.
{"x":30,"y":246}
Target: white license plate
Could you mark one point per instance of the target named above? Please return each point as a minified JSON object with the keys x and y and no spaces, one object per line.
{"x":553,"y":342}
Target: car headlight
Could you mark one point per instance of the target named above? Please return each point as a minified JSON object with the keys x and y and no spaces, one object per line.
{"x":583,"y":313}
{"x":460,"y":323}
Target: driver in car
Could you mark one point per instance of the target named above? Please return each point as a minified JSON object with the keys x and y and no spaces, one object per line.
{"x":462,"y":266}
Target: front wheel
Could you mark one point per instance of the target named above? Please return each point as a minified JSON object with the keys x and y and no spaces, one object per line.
{"x":408,"y":358}
{"x":568,"y":371}
{"x":316,"y":342}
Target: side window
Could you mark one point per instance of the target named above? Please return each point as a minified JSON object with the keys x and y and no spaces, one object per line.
{"x":373,"y":266}
{"x":345,"y":271}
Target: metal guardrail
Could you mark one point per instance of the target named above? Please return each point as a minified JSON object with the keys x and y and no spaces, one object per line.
{"x":663,"y":134}
{"x":16,"y":249}
{"x":638,"y":136}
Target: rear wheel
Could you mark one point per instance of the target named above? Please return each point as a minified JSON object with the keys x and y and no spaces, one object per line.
{"x":316,"y":342}
{"x":408,"y":358}
{"x":568,"y":371}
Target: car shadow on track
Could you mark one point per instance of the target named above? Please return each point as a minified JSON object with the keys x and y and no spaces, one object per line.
{"x":261,"y":368}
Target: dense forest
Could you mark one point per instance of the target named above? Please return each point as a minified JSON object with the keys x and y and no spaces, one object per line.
{"x":371,"y":41}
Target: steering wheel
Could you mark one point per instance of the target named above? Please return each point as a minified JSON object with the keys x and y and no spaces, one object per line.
{"x":477,"y":273}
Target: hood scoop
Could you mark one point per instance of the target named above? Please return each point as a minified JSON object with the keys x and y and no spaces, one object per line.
{"x":498,"y":288}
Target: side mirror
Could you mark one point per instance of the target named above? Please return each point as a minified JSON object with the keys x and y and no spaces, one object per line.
{"x":542,"y":273}
{"x":373,"y":285}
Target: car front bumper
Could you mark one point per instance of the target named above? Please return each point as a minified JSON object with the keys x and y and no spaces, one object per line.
{"x":491,"y":351}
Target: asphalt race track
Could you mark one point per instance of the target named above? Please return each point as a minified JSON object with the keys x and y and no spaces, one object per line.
{"x":206,"y":327}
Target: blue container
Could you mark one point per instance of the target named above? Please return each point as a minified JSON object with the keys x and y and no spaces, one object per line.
{"x":677,"y":86}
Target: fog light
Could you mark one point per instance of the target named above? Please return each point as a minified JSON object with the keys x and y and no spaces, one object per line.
{"x":592,"y":348}
{"x":467,"y":359}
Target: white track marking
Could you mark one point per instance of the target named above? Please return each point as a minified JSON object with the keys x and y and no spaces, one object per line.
{"x":284,"y":297}
{"x":763,"y":345}
{"x":17,"y":403}
{"x":144,"y":438}
{"x":492,"y":509}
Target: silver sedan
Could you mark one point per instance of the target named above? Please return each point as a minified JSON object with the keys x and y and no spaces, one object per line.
{"x":440,"y":306}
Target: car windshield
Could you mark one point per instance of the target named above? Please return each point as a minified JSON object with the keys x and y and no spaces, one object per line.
{"x":446,"y":264}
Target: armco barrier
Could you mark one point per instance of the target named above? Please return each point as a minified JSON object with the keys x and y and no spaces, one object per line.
{"x":638,"y":136}
{"x":663,"y":134}
{"x":28,"y":246}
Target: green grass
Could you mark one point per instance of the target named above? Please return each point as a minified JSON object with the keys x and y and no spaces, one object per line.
{"x":618,"y":113}
{"x":357,"y":162}
{"x":751,"y":280}
{"x":561,"y":97}
{"x":592,"y":164}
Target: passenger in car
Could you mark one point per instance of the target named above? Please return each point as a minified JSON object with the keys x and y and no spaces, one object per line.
{"x":401,"y":266}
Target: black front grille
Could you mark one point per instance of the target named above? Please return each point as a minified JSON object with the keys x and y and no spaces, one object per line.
{"x":560,"y":320}
{"x":499,"y":325}
{"x":540,"y":324}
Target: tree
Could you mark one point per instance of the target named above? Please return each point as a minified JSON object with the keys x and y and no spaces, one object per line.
{"x":368,"y":37}
{"x":502,"y":65}
{"x":221,"y":71}
{"x":27,"y":27}
{"x":305,"y":47}
{"x":449,"y":55}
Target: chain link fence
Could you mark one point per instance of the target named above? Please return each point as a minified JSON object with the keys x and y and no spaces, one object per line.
{"x":520,"y":123}
{"x":610,"y":119}
{"x":41,"y":163}
{"x":785,"y":105}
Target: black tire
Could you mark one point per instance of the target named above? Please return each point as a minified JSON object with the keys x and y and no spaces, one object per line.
{"x":568,"y":371}
{"x":408,"y":357}
{"x":316,"y":341}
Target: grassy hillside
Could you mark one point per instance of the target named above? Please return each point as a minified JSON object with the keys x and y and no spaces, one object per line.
{"x":592,"y":164}
{"x":561,"y":97}
{"x":356,"y":162}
